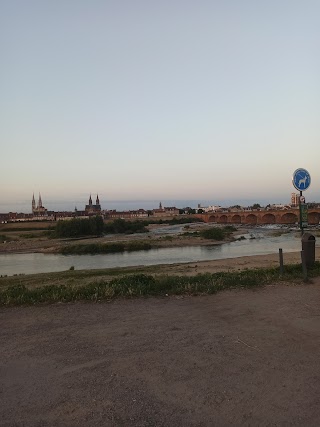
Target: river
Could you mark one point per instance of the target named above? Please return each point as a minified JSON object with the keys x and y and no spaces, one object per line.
{"x":257,"y":242}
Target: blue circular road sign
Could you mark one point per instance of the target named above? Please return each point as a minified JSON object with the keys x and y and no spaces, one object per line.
{"x":301,"y":179}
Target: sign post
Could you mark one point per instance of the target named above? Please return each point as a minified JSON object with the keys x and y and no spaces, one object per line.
{"x":301,"y":181}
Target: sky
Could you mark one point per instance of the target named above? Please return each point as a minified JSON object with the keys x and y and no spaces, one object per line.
{"x":158,"y":100}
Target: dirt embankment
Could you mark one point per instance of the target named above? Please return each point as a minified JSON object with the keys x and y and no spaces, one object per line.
{"x":248,"y":358}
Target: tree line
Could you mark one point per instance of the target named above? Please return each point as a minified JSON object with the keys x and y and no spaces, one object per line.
{"x":95,"y":226}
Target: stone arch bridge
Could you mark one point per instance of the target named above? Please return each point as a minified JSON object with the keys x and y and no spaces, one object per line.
{"x":289,"y":216}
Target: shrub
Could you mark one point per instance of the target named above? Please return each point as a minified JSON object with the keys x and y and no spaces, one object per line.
{"x":120,"y":226}
{"x":213,"y":233}
{"x":77,"y":227}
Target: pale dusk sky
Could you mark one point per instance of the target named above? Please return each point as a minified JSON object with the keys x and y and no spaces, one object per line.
{"x":153,"y":100}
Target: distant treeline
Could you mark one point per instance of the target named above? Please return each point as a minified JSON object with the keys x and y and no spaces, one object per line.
{"x":77,"y":227}
{"x":95,"y":226}
{"x":174,"y":221}
{"x":120,"y":226}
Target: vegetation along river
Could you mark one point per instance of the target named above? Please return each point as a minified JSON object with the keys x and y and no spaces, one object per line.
{"x":256,"y":243}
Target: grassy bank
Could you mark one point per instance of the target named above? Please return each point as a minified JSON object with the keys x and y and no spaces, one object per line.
{"x":137,"y":285}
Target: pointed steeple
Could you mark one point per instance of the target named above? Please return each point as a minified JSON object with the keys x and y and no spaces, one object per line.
{"x":90,"y":201}
{"x":33,"y":203}
{"x":97,"y":200}
{"x":40,"y":201}
{"x":160,"y":205}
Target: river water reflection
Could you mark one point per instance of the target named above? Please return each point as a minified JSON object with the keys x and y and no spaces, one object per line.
{"x":42,"y":263}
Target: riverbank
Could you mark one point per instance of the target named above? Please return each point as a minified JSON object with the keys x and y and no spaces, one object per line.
{"x":84,"y":277}
{"x":157,"y":238}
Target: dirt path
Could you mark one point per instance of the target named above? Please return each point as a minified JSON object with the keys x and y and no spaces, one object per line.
{"x":236,"y":358}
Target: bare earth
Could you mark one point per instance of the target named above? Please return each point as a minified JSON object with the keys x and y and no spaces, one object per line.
{"x":242,"y":357}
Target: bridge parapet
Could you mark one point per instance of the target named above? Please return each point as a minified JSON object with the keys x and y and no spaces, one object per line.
{"x":260,"y":217}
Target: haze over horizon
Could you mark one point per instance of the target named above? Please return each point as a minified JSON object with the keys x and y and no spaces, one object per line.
{"x":155,"y":101}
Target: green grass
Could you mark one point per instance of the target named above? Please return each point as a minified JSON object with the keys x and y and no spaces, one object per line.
{"x":144,"y":285}
{"x":217,"y":233}
{"x":167,"y":238}
{"x":191,"y":234}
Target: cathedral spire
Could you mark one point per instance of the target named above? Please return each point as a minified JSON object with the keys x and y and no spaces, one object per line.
{"x":40,"y":201}
{"x":33,"y":203}
{"x":90,"y":200}
{"x":97,"y":200}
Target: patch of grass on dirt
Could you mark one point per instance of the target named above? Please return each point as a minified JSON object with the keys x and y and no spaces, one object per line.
{"x":191,"y":234}
{"x":137,"y":285}
{"x":278,"y":233}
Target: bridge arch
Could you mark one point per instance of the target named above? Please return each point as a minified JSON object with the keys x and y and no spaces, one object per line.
{"x":251,"y":219}
{"x":236,"y":219}
{"x":223,"y":219}
{"x":268,"y":219}
{"x":313,"y":218}
{"x":212,"y":218}
{"x":289,"y":218}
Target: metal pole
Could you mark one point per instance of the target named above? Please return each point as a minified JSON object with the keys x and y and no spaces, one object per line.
{"x":281,"y":260}
{"x":304,"y":267}
{"x":300,"y":213}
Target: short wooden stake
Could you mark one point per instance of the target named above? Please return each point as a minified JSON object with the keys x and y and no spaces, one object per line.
{"x":281,"y":260}
{"x":304,"y":266}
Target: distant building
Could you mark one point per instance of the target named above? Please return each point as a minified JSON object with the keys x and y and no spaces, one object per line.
{"x":92,"y":209}
{"x":4,"y":217}
{"x":139,"y":213}
{"x":211,"y":208}
{"x":165,"y":211}
{"x":279,"y":206}
{"x":295,"y":199}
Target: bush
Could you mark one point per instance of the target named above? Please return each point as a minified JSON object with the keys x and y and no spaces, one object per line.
{"x":230,"y":228}
{"x":77,"y":227}
{"x":213,"y":233}
{"x":120,"y":226}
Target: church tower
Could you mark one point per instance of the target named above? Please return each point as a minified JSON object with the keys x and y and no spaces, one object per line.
{"x":39,"y":210}
{"x":33,"y":204}
{"x":92,"y":209}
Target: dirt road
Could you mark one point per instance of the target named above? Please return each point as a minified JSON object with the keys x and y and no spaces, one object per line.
{"x":247,"y":358}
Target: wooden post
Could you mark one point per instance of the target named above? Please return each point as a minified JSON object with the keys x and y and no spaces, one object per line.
{"x":304,"y":267}
{"x":281,"y":260}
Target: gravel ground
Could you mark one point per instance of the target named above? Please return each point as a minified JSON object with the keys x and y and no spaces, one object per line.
{"x":248,"y":357}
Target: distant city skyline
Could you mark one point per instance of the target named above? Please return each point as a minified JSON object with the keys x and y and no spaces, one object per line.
{"x":69,"y":204}
{"x":170,"y":100}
